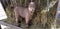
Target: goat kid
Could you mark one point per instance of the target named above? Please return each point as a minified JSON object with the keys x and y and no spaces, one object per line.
{"x":26,"y":13}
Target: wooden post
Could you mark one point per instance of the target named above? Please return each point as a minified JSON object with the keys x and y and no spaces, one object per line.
{"x":0,"y":26}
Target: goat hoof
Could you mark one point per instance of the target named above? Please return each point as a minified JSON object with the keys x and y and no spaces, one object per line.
{"x":17,"y":25}
{"x":26,"y":26}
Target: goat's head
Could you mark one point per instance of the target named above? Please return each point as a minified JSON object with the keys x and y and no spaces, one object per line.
{"x":31,"y":7}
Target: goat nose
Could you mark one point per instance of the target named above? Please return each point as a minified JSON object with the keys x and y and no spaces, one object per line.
{"x":31,"y":11}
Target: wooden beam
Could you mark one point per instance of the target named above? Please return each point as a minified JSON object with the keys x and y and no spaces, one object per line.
{"x":9,"y":25}
{"x":57,"y":17}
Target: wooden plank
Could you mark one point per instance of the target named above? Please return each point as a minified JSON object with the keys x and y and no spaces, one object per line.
{"x":2,"y":12}
{"x":9,"y":25}
{"x":58,"y":14}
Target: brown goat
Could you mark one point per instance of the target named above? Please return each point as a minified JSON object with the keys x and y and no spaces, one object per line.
{"x":26,"y":13}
